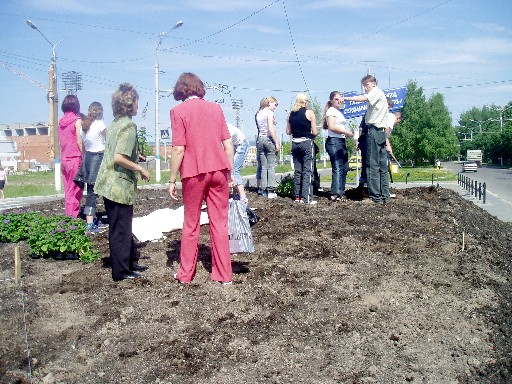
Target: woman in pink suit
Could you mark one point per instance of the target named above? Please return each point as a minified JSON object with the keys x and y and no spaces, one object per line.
{"x":202,"y":152}
{"x":71,"y":153}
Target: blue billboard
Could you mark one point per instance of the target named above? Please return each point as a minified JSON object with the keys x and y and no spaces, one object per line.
{"x":355,"y":109}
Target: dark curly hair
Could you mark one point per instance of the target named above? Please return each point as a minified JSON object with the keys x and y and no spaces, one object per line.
{"x":188,"y":84}
{"x":124,"y":101}
{"x":70,"y":104}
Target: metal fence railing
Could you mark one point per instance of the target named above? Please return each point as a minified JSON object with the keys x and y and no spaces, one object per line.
{"x":473,"y":187}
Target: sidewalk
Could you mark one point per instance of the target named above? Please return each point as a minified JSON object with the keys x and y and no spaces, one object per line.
{"x":494,"y":205}
{"x":19,"y":202}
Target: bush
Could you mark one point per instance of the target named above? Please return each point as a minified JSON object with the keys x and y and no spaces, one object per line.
{"x":48,"y":236}
{"x":285,"y":187}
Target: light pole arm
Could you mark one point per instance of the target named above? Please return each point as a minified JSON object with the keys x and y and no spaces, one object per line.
{"x":54,"y":47}
{"x":157,"y":40}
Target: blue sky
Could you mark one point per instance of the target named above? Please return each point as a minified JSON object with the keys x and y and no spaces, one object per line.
{"x":251,"y":49}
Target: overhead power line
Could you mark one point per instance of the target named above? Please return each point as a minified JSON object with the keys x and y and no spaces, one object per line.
{"x":230,"y":26}
{"x":23,"y":75}
{"x":294,"y":47}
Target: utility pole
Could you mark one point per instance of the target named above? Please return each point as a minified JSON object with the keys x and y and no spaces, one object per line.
{"x":54,"y":121}
{"x":157,"y":40}
{"x":237,"y":105}
{"x":53,"y":101}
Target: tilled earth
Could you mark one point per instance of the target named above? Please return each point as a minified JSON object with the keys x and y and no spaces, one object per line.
{"x":417,"y":290}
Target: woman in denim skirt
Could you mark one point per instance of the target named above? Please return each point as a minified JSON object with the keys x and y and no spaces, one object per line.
{"x":94,"y":133}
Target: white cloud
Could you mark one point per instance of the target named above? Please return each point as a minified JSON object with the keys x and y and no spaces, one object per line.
{"x":488,"y":27}
{"x":342,"y":4}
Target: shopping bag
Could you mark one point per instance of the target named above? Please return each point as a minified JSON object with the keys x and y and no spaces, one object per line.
{"x":239,"y":228}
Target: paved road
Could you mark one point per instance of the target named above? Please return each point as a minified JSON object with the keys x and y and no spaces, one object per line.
{"x":18,"y":202}
{"x":499,"y":188}
{"x":498,"y":180}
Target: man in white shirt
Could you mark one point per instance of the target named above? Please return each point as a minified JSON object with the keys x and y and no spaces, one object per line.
{"x":376,"y":155}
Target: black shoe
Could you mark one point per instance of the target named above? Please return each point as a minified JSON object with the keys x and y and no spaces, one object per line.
{"x":130,"y":276}
{"x":139,"y":268}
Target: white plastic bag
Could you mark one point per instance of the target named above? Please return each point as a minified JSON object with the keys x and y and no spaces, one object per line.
{"x":239,"y":228}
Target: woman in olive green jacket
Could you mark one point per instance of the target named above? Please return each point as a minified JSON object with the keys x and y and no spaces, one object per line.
{"x":117,"y":182}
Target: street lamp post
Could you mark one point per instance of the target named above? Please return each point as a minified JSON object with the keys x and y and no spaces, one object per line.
{"x":501,"y":111}
{"x":502,"y":115}
{"x":478,"y":122}
{"x":465,"y":133}
{"x":53,"y":100}
{"x":157,"y":40}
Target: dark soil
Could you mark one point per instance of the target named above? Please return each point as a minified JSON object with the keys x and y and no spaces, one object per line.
{"x":417,"y":290}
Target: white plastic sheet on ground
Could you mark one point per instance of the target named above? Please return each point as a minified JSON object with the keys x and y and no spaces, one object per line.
{"x":152,"y":227}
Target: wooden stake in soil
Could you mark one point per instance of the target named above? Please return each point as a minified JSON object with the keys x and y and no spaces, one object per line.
{"x":17,"y":265}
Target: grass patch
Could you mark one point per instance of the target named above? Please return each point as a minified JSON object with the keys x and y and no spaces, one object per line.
{"x":42,"y":183}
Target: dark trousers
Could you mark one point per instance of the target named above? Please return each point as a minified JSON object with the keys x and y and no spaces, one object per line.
{"x":337,"y":150}
{"x":316,"y":176}
{"x":120,"y":239}
{"x":303,"y":164}
{"x":362,"y":148}
{"x":377,"y":165}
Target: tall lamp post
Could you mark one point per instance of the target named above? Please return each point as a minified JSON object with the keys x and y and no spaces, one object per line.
{"x":502,"y":112}
{"x":53,"y":100}
{"x":157,"y":40}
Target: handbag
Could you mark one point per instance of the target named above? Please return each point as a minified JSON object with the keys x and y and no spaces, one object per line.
{"x":79,"y":179}
{"x":239,"y":228}
{"x":252,"y":216}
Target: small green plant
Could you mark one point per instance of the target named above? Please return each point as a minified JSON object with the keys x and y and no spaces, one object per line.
{"x":14,"y":227}
{"x":48,"y":236}
{"x":285,"y":187}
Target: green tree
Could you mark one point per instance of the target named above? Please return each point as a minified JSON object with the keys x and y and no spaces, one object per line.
{"x":488,"y":129}
{"x":286,"y":148}
{"x":144,"y":147}
{"x":426,"y":132}
{"x":407,"y":135}
{"x":441,"y":140}
{"x":318,"y":108}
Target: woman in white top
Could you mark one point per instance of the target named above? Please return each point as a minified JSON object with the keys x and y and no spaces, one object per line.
{"x":3,"y":180}
{"x":94,"y":132}
{"x":335,"y":145}
{"x":267,"y":146}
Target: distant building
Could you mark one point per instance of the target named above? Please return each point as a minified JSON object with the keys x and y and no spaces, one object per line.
{"x":8,"y":153}
{"x":32,"y":141}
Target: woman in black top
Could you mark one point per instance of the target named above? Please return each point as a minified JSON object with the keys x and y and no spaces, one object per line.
{"x":301,"y":124}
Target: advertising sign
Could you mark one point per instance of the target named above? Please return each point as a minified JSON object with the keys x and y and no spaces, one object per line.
{"x":354,"y":109}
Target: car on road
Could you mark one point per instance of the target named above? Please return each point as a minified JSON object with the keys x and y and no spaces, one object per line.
{"x":469,"y":166}
{"x":354,"y":161}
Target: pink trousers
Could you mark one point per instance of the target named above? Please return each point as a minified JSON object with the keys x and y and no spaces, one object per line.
{"x":214,"y":186}
{"x":72,"y":194}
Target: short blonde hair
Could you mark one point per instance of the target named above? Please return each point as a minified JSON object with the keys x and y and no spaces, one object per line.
{"x":267,"y":100}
